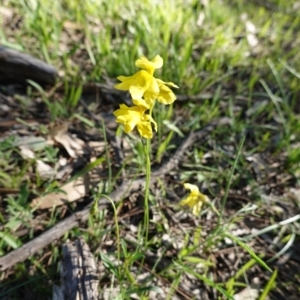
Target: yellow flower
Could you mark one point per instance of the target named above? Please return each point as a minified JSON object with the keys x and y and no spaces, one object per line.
{"x":195,"y":199}
{"x":135,"y":116}
{"x":143,"y":87}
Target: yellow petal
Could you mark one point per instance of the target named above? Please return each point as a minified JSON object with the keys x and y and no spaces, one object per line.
{"x":167,"y":83}
{"x":129,"y":116}
{"x":191,"y":187}
{"x":136,"y":84}
{"x":152,"y":92}
{"x":197,"y":209}
{"x":141,"y":102}
{"x":150,"y":119}
{"x":145,"y":130}
{"x":136,"y":92}
{"x":195,"y":199}
{"x":149,"y":66}
{"x":165,"y":95}
{"x":135,"y":116}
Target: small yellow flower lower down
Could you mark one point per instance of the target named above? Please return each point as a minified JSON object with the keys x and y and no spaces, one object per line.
{"x":195,"y":199}
{"x":135,"y":116}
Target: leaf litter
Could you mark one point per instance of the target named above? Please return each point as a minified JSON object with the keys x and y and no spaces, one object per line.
{"x":272,"y":188}
{"x":262,"y":193}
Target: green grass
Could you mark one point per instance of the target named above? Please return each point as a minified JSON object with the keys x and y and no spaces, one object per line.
{"x":247,"y":169}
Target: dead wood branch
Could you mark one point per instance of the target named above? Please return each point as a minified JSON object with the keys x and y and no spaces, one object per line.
{"x":123,"y":191}
{"x":78,"y":273}
{"x":20,"y":67}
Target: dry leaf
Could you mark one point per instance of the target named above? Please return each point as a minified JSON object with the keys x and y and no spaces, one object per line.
{"x":71,"y":192}
{"x":34,"y":143}
{"x":201,"y":18}
{"x":251,"y":31}
{"x":72,"y":26}
{"x":26,"y":153}
{"x":6,"y":14}
{"x":294,"y":194}
{"x":60,"y":134}
{"x":97,"y":145}
{"x":248,"y":293}
{"x":44,"y":170}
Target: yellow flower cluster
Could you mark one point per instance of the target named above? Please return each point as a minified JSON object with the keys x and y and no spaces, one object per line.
{"x":144,"y":89}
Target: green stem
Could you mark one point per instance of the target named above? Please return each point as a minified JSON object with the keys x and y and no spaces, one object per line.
{"x":147,"y":188}
{"x":223,"y":202}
